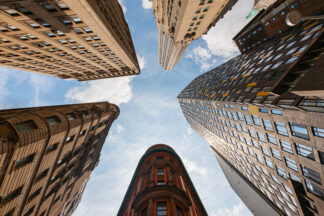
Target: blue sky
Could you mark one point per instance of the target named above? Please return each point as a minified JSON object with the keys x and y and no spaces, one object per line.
{"x":150,"y":112}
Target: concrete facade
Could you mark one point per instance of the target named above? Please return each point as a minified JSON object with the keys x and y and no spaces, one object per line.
{"x":47,"y":155}
{"x":251,"y":113}
{"x":182,"y":21}
{"x":161,"y":186}
{"x":83,"y":40}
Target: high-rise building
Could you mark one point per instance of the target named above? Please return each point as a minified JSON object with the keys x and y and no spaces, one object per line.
{"x":262,"y":112}
{"x":271,"y":21}
{"x":77,"y":39}
{"x":181,"y":21}
{"x":161,"y":186}
{"x":47,"y":155}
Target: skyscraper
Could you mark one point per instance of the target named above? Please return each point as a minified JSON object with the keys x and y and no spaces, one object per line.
{"x":47,"y":155}
{"x":161,"y":186}
{"x":262,"y":113}
{"x":181,"y":21}
{"x":77,"y":39}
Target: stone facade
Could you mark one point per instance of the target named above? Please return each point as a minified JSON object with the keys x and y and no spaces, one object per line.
{"x":47,"y":155}
{"x":161,"y":186}
{"x":75,"y":39}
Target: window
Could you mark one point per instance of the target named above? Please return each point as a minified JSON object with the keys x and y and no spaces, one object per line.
{"x":76,"y":19}
{"x":252,"y":133}
{"x":248,"y":120}
{"x":12,"y":195}
{"x":318,"y":132}
{"x":255,"y":143}
{"x":34,"y":195}
{"x":311,"y":174}
{"x":240,"y":116}
{"x":259,"y":158}
{"x":263,"y":110}
{"x":24,"y":161}
{"x":144,"y":212}
{"x":160,"y":171}
{"x":265,"y":151}
{"x":276,"y":112}
{"x":194,"y":18}
{"x":275,"y":179}
{"x":299,"y":130}
{"x":268,"y":162}
{"x":281,"y":128}
{"x":295,"y":178}
{"x":51,"y":148}
{"x":26,"y":126}
{"x":291,"y":164}
{"x":321,"y":156}
{"x":314,"y":189}
{"x":305,"y":151}
{"x":198,"y":11}
{"x":272,"y":139}
{"x":281,"y":172}
{"x":41,"y":175}
{"x":70,"y":116}
{"x":69,"y":139}
{"x":29,"y":211}
{"x":267,"y":125}
{"x":276,"y":153}
{"x":53,"y":120}
{"x":261,"y":136}
{"x":286,"y":146}
{"x":202,"y":16}
{"x":256,"y":120}
{"x":83,"y":132}
{"x":179,"y":211}
{"x":161,"y":209}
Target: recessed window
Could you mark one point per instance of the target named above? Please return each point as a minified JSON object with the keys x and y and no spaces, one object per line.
{"x":194,"y":18}
{"x":314,"y":189}
{"x":321,"y":156}
{"x":179,"y":211}
{"x":265,"y":151}
{"x":281,"y":172}
{"x":70,"y":116}
{"x":295,"y":178}
{"x":29,"y":211}
{"x":51,"y":148}
{"x":286,"y":146}
{"x":76,"y":19}
{"x":161,"y":209}
{"x":244,"y":108}
{"x":276,"y":112}
{"x":206,"y":9}
{"x":272,"y":139}
{"x":144,"y":212}
{"x":34,"y":195}
{"x":299,"y":130}
{"x":276,"y":153}
{"x":318,"y":132}
{"x":291,"y":164}
{"x":12,"y":195}
{"x":202,"y":16}
{"x":261,"y":136}
{"x":52,"y":120}
{"x":281,"y":128}
{"x":41,"y":175}
{"x":248,"y":120}
{"x":26,"y":126}
{"x":267,"y":125}
{"x":256,"y":120}
{"x":69,"y":139}
{"x":24,"y":161}
{"x":259,"y":158}
{"x":305,"y":151}
{"x":311,"y":174}
{"x":160,"y":171}
{"x":198,"y":11}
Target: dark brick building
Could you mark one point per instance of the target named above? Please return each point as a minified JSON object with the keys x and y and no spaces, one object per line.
{"x":262,"y":113}
{"x":47,"y":155}
{"x":161,"y":186}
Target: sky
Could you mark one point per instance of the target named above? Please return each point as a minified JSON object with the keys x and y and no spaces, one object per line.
{"x":150,"y":113}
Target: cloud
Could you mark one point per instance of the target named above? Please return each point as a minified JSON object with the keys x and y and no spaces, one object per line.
{"x":122,"y":4}
{"x":41,"y":84}
{"x":115,"y":90}
{"x":112,"y":136}
{"x":3,"y":89}
{"x":218,"y":41}
{"x":192,"y":167}
{"x":237,"y":210}
{"x":141,"y":61}
{"x":146,"y":4}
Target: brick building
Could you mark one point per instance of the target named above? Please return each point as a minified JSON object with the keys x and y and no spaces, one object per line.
{"x":47,"y":155}
{"x":161,"y":186}
{"x":181,"y":21}
{"x":262,"y":113}
{"x":77,"y":39}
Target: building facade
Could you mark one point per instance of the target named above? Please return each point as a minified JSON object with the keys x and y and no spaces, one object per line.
{"x":161,"y":186}
{"x":47,"y":155}
{"x":74,"y":39}
{"x":271,"y":21}
{"x":181,"y":21}
{"x":256,"y":115}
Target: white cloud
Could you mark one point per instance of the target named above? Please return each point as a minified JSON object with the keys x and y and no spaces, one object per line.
{"x":146,"y":4}
{"x":41,"y":84}
{"x":112,"y":136}
{"x":237,"y":210}
{"x":141,"y":61}
{"x":3,"y":89}
{"x":114,"y":90}
{"x":192,"y":167}
{"x":218,"y":40}
{"x":122,"y":4}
